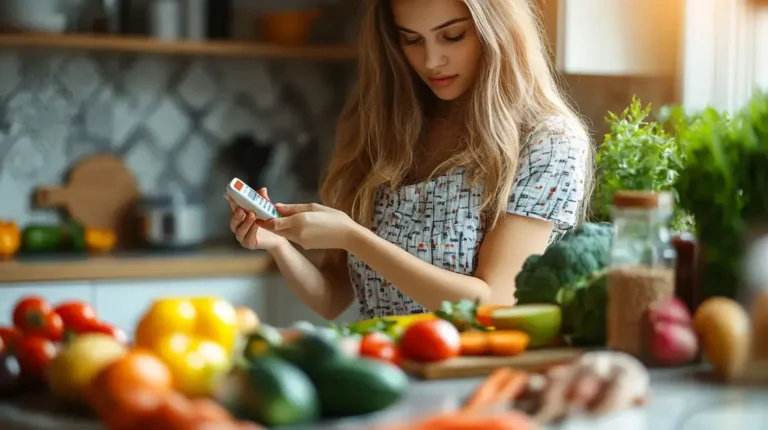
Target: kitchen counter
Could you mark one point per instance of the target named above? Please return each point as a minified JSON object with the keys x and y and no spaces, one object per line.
{"x":682,"y":399}
{"x":214,"y":261}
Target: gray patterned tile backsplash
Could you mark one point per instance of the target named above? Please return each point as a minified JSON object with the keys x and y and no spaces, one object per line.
{"x":168,"y":118}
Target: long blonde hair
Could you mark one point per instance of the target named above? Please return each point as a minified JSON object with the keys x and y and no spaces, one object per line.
{"x":384,"y":119}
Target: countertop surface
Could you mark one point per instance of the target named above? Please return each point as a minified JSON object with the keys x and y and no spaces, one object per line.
{"x":207,"y":261}
{"x":682,"y":399}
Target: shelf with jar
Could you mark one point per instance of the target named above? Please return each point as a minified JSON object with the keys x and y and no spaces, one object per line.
{"x":172,"y":27}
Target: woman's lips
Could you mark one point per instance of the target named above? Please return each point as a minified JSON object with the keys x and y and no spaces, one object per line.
{"x":442,"y":81}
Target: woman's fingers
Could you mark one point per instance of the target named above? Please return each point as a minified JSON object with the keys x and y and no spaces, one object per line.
{"x":251,"y":237}
{"x":238,"y":216}
{"x":243,"y":228}
{"x":263,"y":193}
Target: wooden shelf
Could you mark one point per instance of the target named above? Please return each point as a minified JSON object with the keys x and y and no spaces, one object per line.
{"x":145,"y":45}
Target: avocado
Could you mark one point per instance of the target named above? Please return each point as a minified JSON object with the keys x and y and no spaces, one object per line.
{"x":356,"y":386}
{"x":262,"y":342}
{"x":271,"y":392}
{"x":310,"y":350}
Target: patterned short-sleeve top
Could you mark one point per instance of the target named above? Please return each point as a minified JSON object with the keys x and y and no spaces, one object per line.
{"x":439,"y":220}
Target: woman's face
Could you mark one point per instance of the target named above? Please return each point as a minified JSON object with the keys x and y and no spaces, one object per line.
{"x":439,"y":39}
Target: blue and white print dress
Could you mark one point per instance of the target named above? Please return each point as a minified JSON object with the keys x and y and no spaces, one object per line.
{"x":439,"y":220}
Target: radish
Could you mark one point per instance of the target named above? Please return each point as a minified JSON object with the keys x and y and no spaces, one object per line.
{"x":673,"y":344}
{"x":671,"y":310}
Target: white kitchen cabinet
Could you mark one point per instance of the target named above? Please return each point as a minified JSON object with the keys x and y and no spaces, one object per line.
{"x":53,"y":292}
{"x":123,"y":302}
{"x":616,"y":37}
{"x":286,"y":308}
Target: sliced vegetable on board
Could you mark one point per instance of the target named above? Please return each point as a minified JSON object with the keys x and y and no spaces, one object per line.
{"x":542,"y":322}
{"x":505,"y":343}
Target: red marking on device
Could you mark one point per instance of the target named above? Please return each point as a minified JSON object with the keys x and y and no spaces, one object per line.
{"x":238,"y":186}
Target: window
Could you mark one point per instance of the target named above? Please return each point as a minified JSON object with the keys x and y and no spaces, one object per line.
{"x":725,"y":52}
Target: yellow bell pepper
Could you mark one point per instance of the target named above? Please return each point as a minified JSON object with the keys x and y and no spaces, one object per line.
{"x":10,"y":239}
{"x":194,"y":337}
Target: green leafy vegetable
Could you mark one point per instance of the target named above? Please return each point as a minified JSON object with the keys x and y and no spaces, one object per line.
{"x":638,"y":154}
{"x":364,"y":327}
{"x":462,"y":314}
{"x":724,"y":185}
{"x":571,"y":273}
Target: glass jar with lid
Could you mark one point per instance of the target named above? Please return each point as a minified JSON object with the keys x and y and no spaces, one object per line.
{"x":641,"y":267}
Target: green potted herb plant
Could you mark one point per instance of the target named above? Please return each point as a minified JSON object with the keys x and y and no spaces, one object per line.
{"x":724,"y":185}
{"x":637,"y":154}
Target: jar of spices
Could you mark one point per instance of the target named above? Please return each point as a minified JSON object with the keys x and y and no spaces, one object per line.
{"x":641,"y":267}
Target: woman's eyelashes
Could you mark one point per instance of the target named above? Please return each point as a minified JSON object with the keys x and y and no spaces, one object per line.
{"x":416,"y":40}
{"x":456,"y":38}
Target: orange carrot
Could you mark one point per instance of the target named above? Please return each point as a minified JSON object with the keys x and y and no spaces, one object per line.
{"x":484,"y":314}
{"x":475,"y":343}
{"x":486,"y":392}
{"x":462,"y":421}
{"x":508,"y":342}
{"x":513,"y":387}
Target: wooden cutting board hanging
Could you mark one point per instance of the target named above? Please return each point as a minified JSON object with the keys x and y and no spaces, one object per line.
{"x":462,"y":367}
{"x":101,"y":192}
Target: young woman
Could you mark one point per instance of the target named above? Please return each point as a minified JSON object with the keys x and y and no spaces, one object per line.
{"x":457,"y":158}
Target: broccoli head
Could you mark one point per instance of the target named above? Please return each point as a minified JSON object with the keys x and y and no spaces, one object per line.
{"x":578,"y":261}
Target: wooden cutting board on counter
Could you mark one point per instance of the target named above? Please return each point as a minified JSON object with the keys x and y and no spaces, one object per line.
{"x":462,"y":367}
{"x":100,"y":192}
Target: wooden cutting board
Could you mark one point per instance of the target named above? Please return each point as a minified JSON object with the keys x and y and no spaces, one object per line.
{"x":462,"y":367}
{"x":100,"y":192}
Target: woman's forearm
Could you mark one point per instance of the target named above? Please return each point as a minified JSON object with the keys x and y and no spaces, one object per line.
{"x":428,"y":285}
{"x":311,"y":284}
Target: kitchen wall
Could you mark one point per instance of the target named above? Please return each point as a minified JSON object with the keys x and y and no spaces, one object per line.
{"x":167,"y":118}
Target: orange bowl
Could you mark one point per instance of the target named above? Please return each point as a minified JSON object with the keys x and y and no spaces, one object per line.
{"x":289,"y":27}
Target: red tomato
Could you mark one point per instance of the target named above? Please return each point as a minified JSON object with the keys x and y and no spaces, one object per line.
{"x":106,"y":328}
{"x":34,"y":316}
{"x":34,"y":353}
{"x":75,"y":315}
{"x":379,"y":346}
{"x":10,"y":336}
{"x":430,"y":340}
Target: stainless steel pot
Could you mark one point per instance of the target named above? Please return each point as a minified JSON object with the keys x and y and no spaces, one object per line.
{"x":173,"y":221}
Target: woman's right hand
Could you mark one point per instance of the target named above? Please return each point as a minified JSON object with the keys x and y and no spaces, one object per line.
{"x":247,"y":232}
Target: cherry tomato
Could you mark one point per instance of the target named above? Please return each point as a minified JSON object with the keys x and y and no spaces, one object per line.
{"x":34,"y":316}
{"x":379,"y":346}
{"x":106,"y":328}
{"x":430,"y":340}
{"x":10,"y":336}
{"x":75,"y":315}
{"x":35,"y":353}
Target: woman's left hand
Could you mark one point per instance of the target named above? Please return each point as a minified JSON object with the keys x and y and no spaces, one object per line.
{"x":312,"y":226}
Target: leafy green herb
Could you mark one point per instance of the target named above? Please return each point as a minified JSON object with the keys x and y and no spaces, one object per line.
{"x":364,"y":327}
{"x":724,"y":185}
{"x":638,"y":154}
{"x":462,"y":314}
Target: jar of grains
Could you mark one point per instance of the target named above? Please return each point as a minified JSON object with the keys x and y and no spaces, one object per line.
{"x":642,"y":266}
